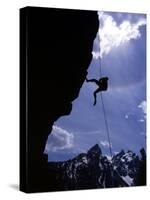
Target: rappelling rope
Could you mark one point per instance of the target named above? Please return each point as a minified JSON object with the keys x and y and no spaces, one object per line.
{"x":105,"y":119}
{"x":103,"y":106}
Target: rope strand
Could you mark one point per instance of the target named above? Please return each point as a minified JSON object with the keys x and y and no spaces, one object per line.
{"x":105,"y":116}
{"x":107,"y":129}
{"x":103,"y":106}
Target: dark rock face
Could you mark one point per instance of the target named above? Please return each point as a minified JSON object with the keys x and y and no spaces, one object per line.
{"x":59,"y":49}
{"x":141,"y":178}
{"x":93,"y":170}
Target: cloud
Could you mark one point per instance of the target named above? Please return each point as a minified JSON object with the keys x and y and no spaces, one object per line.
{"x":105,"y":143}
{"x":142,"y":106}
{"x":113,"y":35}
{"x":59,"y":139}
{"x":95,"y":54}
{"x":126,"y":116}
{"x":141,"y":120}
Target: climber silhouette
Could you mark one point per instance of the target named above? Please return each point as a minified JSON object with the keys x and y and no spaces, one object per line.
{"x":102,"y":86}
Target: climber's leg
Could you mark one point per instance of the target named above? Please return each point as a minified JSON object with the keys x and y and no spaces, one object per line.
{"x":95,"y":97}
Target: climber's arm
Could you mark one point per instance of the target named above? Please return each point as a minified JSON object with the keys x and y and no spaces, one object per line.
{"x":92,"y":80}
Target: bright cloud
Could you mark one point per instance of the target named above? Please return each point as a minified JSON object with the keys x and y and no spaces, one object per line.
{"x":142,"y":106}
{"x":95,"y":54}
{"x":141,"y":120}
{"x":105,"y":143}
{"x":126,"y":116}
{"x":59,"y":139}
{"x":113,"y":35}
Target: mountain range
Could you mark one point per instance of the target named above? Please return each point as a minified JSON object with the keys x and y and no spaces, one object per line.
{"x":94,"y":170}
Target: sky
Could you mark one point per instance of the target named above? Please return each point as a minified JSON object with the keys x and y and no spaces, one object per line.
{"x":120,"y":44}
